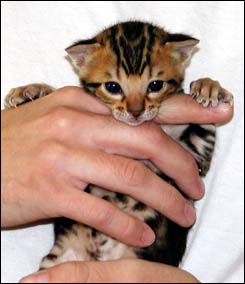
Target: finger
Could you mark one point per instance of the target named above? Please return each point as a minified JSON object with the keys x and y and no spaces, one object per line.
{"x":124,"y":140}
{"x":103,"y":216}
{"x":125,"y":271}
{"x":181,"y":109}
{"x":77,"y":98}
{"x":131,"y":178}
{"x":71,"y":97}
{"x":127,"y":141}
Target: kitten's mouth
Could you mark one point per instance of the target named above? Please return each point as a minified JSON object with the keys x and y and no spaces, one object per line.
{"x":133,"y":121}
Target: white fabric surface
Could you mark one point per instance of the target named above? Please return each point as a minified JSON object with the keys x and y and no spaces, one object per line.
{"x":34,"y":36}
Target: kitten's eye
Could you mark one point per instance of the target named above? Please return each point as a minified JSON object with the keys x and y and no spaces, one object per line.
{"x":113,"y":87}
{"x":155,"y":86}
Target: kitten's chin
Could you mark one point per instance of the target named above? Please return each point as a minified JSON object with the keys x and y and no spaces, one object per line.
{"x":134,"y":122}
{"x":131,"y":120}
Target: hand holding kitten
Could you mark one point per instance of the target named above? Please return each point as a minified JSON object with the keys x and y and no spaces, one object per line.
{"x":123,"y":271}
{"x":63,"y":135}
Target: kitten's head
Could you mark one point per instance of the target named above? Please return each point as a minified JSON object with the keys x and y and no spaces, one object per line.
{"x":132,"y":67}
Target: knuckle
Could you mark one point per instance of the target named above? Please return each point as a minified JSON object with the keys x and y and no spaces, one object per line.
{"x":59,"y":122}
{"x":133,"y":172}
{"x":60,"y":118}
{"x":51,"y":151}
{"x":69,"y":93}
{"x":128,"y":227}
{"x":151,"y":129}
{"x":191,"y":165}
{"x":105,"y":217}
{"x":171,"y":199}
{"x":157,"y":135}
{"x":66,"y":89}
{"x":151,"y":134}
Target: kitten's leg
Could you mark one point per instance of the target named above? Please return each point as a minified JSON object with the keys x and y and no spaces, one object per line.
{"x":200,"y":139}
{"x":23,"y":94}
{"x":209,"y":92}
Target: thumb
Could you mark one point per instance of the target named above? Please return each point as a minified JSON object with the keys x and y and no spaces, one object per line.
{"x":181,"y":108}
{"x":80,"y":272}
{"x":123,"y":271}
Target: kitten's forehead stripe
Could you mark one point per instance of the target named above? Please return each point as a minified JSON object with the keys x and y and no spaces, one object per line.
{"x":133,"y":30}
{"x":132,"y":43}
{"x":114,"y":44}
{"x":151,"y":42}
{"x":143,"y":68}
{"x":135,"y":52}
{"x":125,"y":68}
{"x":132,"y":55}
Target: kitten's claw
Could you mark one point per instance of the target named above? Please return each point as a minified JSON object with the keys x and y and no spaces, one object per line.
{"x":28,"y":95}
{"x":209,"y":93}
{"x":23,"y":94}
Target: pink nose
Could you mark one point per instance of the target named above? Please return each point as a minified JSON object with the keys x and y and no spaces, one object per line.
{"x":136,"y":113}
{"x":135,"y":107}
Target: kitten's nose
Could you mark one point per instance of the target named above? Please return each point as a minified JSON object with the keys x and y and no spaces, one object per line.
{"x":136,"y":108}
{"x":136,"y":113}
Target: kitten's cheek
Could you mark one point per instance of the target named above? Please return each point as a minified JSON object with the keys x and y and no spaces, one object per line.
{"x":122,"y":116}
{"x":150,"y":115}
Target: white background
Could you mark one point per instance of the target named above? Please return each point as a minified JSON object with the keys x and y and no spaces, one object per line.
{"x":34,"y":36}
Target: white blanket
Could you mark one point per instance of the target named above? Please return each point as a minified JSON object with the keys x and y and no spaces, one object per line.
{"x":34,"y":36}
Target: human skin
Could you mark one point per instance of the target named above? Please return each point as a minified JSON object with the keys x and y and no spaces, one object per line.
{"x":118,"y":271}
{"x":53,"y":147}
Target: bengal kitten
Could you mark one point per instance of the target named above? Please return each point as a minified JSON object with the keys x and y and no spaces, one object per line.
{"x":133,"y":67}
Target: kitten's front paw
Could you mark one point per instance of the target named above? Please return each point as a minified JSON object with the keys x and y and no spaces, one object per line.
{"x":23,"y":94}
{"x":209,"y":92}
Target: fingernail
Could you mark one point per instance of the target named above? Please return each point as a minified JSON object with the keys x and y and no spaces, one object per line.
{"x":40,"y":277}
{"x":222,"y":107}
{"x":201,"y":187}
{"x":148,"y":237}
{"x":190,"y":214}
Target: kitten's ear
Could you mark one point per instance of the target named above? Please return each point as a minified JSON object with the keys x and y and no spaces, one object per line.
{"x":182,"y":47}
{"x":81,"y":51}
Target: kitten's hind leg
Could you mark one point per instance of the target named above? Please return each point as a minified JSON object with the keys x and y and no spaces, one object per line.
{"x":23,"y":94}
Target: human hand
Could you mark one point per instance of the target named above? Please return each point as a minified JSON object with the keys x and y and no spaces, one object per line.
{"x":53,"y":147}
{"x":118,"y":271}
{"x":182,"y":109}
